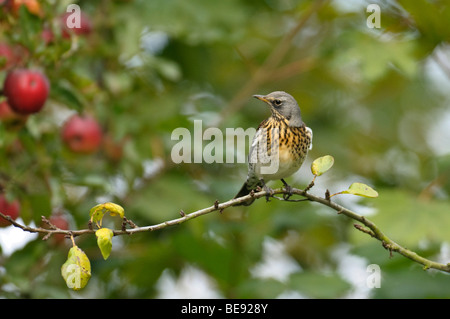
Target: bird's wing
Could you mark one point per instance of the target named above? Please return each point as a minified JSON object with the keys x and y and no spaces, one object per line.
{"x":311,"y":133}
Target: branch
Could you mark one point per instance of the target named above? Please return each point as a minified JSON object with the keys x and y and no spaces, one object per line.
{"x":368,"y":226}
{"x":376,"y":233}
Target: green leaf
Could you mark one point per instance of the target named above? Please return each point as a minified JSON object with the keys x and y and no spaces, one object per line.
{"x":322,"y":164}
{"x":65,"y":93}
{"x":97,"y":212}
{"x":31,"y":25}
{"x":76,"y":271}
{"x":104,"y":241}
{"x":361,"y":189}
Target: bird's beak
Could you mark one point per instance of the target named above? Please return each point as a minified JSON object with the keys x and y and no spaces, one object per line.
{"x":262,"y":98}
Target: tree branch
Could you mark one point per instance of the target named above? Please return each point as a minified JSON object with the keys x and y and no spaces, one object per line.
{"x":368,"y":226}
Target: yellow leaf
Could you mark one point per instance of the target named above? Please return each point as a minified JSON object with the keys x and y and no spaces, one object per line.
{"x":361,"y":189}
{"x":97,"y":212}
{"x":322,"y":164}
{"x":104,"y":241}
{"x":114,"y":209}
{"x":76,"y":271}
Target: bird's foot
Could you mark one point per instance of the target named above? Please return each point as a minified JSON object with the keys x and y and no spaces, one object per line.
{"x":269,"y":193}
{"x":288,"y":189}
{"x":268,"y":190}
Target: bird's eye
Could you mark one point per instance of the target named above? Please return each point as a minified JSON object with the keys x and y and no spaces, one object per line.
{"x":277,"y":102}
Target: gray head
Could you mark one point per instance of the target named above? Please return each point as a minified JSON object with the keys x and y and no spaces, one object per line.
{"x":283,"y":104}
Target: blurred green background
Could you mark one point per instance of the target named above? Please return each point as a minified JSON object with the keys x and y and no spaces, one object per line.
{"x":377,"y":100}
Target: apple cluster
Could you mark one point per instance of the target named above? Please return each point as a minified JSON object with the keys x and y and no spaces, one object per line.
{"x":26,"y":91}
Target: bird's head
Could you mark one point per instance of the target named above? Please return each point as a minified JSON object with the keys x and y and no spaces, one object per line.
{"x":283,"y":104}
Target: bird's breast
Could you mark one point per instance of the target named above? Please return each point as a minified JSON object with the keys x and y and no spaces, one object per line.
{"x":284,"y":146}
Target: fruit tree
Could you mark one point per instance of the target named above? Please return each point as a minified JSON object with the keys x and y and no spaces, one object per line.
{"x":94,"y":94}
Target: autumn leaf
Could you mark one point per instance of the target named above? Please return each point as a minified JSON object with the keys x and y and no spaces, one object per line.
{"x":104,"y":241}
{"x":97,"y":212}
{"x":76,"y":271}
{"x":361,"y":189}
{"x":322,"y":164}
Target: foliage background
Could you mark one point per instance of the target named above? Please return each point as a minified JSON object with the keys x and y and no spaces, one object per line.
{"x":377,"y":100}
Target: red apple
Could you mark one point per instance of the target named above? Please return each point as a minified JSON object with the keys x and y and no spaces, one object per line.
{"x":82,"y":134}
{"x":26,"y":90}
{"x":68,"y":18}
{"x":11,"y":209}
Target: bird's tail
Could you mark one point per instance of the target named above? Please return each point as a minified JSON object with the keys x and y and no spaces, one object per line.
{"x":245,"y":190}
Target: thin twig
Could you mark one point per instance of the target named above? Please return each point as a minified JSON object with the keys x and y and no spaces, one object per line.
{"x":370,"y":228}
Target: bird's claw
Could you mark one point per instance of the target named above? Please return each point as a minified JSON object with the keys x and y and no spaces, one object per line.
{"x":268,"y":190}
{"x":269,"y":193}
{"x":289,"y":192}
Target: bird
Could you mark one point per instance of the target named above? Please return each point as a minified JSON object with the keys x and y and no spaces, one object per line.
{"x":279,"y":146}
